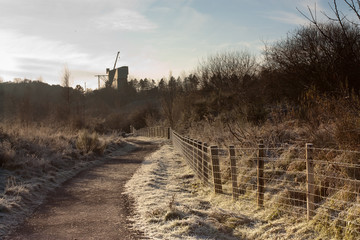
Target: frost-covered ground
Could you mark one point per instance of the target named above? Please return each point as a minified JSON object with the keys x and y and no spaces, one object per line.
{"x":171,"y":204}
{"x":25,"y":188}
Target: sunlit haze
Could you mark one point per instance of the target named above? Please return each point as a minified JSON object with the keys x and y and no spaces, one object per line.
{"x":39,"y":38}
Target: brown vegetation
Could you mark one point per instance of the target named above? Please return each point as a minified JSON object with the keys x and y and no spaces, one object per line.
{"x":305,"y":90}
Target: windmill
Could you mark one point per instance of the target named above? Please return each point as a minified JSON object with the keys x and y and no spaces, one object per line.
{"x":119,"y":75}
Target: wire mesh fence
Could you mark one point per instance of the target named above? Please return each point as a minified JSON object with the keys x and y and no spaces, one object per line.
{"x":161,"y":132}
{"x":321,"y":184}
{"x":197,"y":155}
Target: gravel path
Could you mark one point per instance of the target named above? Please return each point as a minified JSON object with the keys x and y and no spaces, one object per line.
{"x":91,"y":205}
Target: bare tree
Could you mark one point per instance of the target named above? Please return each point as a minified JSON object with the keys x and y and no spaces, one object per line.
{"x":225,"y":75}
{"x":227,"y":70}
{"x":323,"y":54}
{"x":338,"y":15}
{"x":65,"y":80}
{"x":169,"y":95}
{"x":345,"y":41}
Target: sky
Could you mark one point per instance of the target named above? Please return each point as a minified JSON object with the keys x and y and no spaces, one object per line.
{"x":156,"y":38}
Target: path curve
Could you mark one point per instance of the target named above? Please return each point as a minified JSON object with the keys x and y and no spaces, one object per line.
{"x":91,"y":205}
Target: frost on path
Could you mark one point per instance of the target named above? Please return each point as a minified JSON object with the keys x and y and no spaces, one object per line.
{"x":168,"y":206}
{"x":171,"y":204}
{"x":23,"y":190}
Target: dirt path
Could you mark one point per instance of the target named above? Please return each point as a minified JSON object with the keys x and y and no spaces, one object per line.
{"x":90,"y":205}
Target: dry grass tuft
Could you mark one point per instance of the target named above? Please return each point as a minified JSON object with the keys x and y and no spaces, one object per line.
{"x":89,"y":142}
{"x":7,"y":153}
{"x":35,"y":159}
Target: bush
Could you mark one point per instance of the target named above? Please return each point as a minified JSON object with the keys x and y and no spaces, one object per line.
{"x":89,"y":142}
{"x":7,"y":153}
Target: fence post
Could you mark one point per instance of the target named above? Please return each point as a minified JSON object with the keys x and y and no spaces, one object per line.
{"x":205,"y":163}
{"x":194,"y":162}
{"x":216,"y":169}
{"x":195,"y":156}
{"x":260,"y":175}
{"x":310,"y":204}
{"x":191,"y":151}
{"x":199,"y":159}
{"x":168,"y":133}
{"x":187,"y":147}
{"x":235,"y":192}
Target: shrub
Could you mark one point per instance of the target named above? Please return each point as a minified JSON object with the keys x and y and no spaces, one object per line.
{"x":7,"y":153}
{"x":89,"y":142}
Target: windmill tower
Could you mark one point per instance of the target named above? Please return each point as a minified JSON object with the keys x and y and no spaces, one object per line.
{"x":116,"y":77}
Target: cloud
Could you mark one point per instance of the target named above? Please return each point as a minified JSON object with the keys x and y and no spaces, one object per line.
{"x":294,"y":15}
{"x":254,"y":47}
{"x":124,"y":19}
{"x":30,"y":64}
{"x":32,"y":56}
{"x":191,"y":19}
{"x":14,"y":44}
{"x":288,"y":17}
{"x":304,"y":4}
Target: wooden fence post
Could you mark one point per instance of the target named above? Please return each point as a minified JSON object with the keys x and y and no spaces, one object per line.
{"x":235,"y":191}
{"x":188,"y":145}
{"x":199,"y":159}
{"x":194,"y":157}
{"x":192,"y":152}
{"x":216,"y":169}
{"x":168,"y":133}
{"x":205,"y":163}
{"x":260,"y":176}
{"x":310,"y":204}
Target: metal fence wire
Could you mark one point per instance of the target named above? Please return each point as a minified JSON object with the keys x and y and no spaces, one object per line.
{"x":161,"y":132}
{"x":323,"y":184}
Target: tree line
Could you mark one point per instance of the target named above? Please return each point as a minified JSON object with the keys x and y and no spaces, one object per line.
{"x":314,"y":62}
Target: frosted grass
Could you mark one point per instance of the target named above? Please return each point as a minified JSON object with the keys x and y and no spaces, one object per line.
{"x":171,"y":204}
